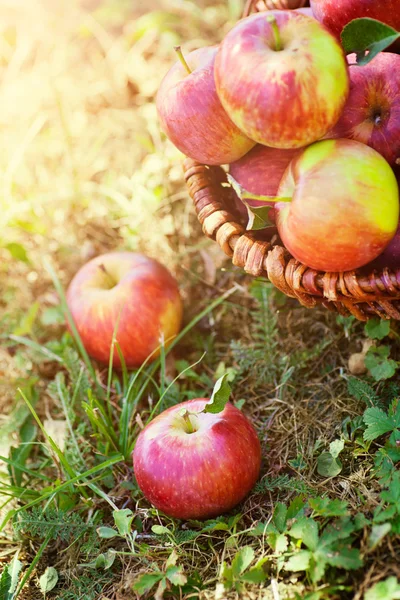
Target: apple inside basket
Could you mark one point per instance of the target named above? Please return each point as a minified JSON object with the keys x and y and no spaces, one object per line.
{"x":312,"y":141}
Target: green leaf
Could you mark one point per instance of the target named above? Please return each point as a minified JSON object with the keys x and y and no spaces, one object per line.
{"x":242,"y":560}
{"x":378,"y":532}
{"x":296,"y":508}
{"x":384,"y":590}
{"x":281,"y":543}
{"x":160,"y":530}
{"x":175,"y":575}
{"x":377,"y":329}
{"x":48,"y":580}
{"x":362,"y":391}
{"x":379,"y":364}
{"x":28,"y":320}
{"x":146,"y":582}
{"x":5,"y":585}
{"x":327,"y":466}
{"x":107,"y":533}
{"x":325,"y":507}
{"x":378,"y":422}
{"x":14,"y":570}
{"x":279,"y":516}
{"x":343,"y":557}
{"x":366,"y":35}
{"x":255,"y":575}
{"x":220,"y":396}
{"x":18,"y":252}
{"x":336,"y":447}
{"x":306,"y":529}
{"x":299,"y":561}
{"x":259,"y":217}
{"x":123,"y":520}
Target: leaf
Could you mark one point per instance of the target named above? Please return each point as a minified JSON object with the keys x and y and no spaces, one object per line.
{"x":14,"y":569}
{"x":296,"y":508}
{"x":175,"y":575}
{"x":299,"y":561}
{"x":362,"y":391}
{"x":160,"y":530}
{"x":281,"y":543}
{"x":220,"y":396}
{"x":378,"y":532}
{"x":18,"y":252}
{"x":255,"y":575}
{"x":336,"y":447}
{"x":146,"y":582}
{"x":26,"y":324}
{"x":5,"y":585}
{"x":378,"y":422}
{"x":259,"y":217}
{"x":379,"y":364}
{"x":384,"y":590}
{"x":279,"y":516}
{"x":107,"y":533}
{"x":242,"y":560}
{"x":377,"y":329}
{"x":325,"y":507}
{"x":123,"y":520}
{"x":343,"y":557}
{"x":367,"y":35}
{"x":48,"y":580}
{"x":327,"y":466}
{"x":306,"y":529}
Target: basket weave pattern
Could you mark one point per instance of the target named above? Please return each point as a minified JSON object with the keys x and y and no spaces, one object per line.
{"x":355,"y":293}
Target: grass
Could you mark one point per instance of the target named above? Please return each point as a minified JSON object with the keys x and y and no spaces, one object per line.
{"x":86,"y":170}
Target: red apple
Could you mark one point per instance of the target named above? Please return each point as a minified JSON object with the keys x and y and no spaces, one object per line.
{"x":372,"y":112}
{"x":335,"y":14}
{"x":342,"y":206}
{"x":260,"y":171}
{"x":282,"y":78}
{"x":132,"y":291}
{"x":390,"y":257}
{"x":191,"y":113}
{"x":197,"y":469}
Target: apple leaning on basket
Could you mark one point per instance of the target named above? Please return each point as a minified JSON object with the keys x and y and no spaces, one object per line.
{"x":311,"y":138}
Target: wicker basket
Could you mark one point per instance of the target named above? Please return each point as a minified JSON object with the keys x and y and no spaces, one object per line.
{"x":358,"y":293}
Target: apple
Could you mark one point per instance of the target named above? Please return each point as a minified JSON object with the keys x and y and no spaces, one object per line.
{"x":260,"y":171}
{"x":130,"y":293}
{"x":390,"y":257}
{"x":372,"y":112}
{"x":191,"y":113}
{"x":195,"y":465}
{"x":282,"y":78}
{"x":341,"y":208}
{"x":335,"y":14}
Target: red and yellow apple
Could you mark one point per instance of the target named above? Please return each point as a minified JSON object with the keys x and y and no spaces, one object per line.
{"x":191,"y":113}
{"x":335,"y":14}
{"x":282,"y":78}
{"x":130,"y":294}
{"x":372,"y":112}
{"x":197,"y":469}
{"x":260,"y":171}
{"x":342,"y":206}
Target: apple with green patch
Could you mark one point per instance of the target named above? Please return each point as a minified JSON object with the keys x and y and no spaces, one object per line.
{"x":129,"y":295}
{"x":198,"y":459}
{"x":191,"y":114}
{"x":282,"y":78}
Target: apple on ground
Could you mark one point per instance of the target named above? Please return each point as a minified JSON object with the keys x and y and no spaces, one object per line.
{"x":335,"y":14}
{"x":191,"y":113}
{"x":372,"y":112}
{"x":341,"y":208}
{"x":282,"y":78}
{"x":196,"y":465}
{"x":260,"y":171}
{"x":128,"y":294}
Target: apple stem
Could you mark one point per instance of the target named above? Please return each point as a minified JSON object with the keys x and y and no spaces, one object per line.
{"x":275,"y":30}
{"x":188,"y":422}
{"x":182,"y":59}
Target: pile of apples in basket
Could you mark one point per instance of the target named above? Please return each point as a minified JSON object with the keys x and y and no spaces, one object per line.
{"x":305,"y":110}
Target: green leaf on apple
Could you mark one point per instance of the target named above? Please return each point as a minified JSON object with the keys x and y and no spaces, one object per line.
{"x":220,"y":396}
{"x":367,"y":37}
{"x":259,"y":217}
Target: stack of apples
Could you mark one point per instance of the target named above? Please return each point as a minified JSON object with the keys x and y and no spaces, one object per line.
{"x":302,"y":127}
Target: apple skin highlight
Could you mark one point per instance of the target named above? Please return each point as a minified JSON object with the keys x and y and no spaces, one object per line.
{"x":202,"y":474}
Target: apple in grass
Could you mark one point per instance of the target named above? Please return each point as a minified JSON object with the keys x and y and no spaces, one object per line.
{"x":335,"y":14}
{"x":192,"y":115}
{"x":282,"y":78}
{"x":192,"y":464}
{"x":129,"y":295}
{"x":372,"y":112}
